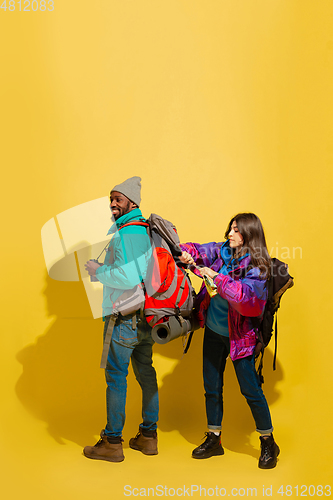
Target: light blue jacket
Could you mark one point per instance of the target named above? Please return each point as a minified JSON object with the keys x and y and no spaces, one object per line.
{"x":126,"y":259}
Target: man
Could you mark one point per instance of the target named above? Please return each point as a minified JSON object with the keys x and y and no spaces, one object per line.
{"x":125,"y":266}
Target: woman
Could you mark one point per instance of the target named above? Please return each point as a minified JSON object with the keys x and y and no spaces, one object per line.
{"x":239,"y":268}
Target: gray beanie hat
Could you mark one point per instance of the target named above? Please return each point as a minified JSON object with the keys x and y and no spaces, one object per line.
{"x":131,"y":188}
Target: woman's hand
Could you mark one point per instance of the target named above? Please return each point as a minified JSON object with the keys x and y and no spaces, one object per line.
{"x":186,"y":258}
{"x":208,"y":272}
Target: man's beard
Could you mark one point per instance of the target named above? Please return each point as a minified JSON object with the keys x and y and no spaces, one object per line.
{"x":121,"y":211}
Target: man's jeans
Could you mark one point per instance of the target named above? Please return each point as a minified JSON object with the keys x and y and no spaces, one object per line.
{"x":135,"y":345}
{"x":215,"y":352}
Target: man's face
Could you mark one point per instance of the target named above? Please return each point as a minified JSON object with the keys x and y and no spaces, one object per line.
{"x":120,"y":205}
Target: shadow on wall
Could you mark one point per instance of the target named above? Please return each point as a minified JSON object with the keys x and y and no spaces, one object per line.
{"x":62,"y":383}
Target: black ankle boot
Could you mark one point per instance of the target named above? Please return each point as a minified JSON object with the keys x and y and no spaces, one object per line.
{"x":269,"y":453}
{"x":210,"y":447}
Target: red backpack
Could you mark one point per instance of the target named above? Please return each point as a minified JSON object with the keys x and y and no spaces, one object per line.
{"x":168,"y":290}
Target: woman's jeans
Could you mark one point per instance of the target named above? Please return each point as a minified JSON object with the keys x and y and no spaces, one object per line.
{"x":135,"y":345}
{"x":215,"y":352}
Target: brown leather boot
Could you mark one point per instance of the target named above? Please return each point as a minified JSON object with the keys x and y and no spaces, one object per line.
{"x":145,"y":441}
{"x":107,"y":448}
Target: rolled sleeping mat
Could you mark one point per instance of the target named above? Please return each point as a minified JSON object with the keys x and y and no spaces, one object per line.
{"x":171,"y":329}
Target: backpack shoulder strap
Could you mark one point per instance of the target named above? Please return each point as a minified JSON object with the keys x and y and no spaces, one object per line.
{"x":282,"y":280}
{"x":135,"y":223}
{"x":275,"y":349}
{"x":189,"y":340}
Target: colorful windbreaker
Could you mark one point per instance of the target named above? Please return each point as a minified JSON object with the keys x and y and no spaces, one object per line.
{"x":245,"y":292}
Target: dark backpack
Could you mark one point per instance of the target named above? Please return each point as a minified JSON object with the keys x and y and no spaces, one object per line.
{"x":279,"y":281}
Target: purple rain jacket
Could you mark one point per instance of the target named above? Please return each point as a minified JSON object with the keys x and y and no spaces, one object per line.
{"x":245,"y":292}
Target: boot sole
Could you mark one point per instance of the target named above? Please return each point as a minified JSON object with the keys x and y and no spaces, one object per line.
{"x":145,"y":452}
{"x":215,"y":453}
{"x":108,"y":459}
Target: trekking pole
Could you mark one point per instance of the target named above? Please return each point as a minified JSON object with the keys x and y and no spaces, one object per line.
{"x":93,"y":278}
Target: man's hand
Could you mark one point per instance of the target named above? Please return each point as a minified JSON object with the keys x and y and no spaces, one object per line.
{"x":208,"y":272}
{"x":91,"y":267}
{"x":186,"y":258}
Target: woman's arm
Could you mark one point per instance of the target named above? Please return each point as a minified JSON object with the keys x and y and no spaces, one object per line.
{"x":202,"y":254}
{"x":247,"y":295}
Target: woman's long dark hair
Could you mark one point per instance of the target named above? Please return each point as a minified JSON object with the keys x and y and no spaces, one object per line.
{"x":250,"y":227}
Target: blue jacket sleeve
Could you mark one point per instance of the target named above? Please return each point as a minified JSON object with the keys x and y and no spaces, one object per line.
{"x":131,"y":253}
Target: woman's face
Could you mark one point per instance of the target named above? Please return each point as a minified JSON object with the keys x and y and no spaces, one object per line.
{"x":235,"y":238}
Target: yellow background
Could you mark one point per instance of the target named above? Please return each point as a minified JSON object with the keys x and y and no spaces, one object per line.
{"x":220,"y":106}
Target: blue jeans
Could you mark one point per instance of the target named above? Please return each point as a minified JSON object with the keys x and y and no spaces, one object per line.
{"x":215,"y":352}
{"x":135,"y":345}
